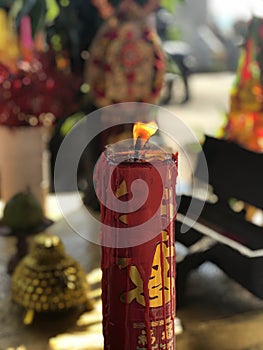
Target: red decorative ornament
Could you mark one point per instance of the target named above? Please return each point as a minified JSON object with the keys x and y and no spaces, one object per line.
{"x":36,"y":93}
{"x":128,"y":6}
{"x":127,"y":63}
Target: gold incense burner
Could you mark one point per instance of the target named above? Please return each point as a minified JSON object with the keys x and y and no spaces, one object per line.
{"x":49,"y":280}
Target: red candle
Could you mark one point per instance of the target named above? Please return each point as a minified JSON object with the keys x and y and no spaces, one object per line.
{"x":138,"y":260}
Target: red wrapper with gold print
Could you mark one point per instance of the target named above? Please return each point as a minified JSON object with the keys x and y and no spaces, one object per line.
{"x":138,"y":283}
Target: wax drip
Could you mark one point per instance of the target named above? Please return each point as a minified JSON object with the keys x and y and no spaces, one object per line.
{"x":126,"y":330}
{"x":147,"y":312}
{"x":162,"y":257}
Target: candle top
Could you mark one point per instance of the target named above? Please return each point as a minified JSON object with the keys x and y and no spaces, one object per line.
{"x":126,"y":152}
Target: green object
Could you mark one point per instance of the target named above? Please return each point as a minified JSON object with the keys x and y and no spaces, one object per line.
{"x":23,"y":212}
{"x":70,"y":122}
{"x":169,"y":5}
{"x":52,"y":10}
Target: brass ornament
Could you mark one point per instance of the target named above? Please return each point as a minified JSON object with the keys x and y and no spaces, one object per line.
{"x":49,"y":280}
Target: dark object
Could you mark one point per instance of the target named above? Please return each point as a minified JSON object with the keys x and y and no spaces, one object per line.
{"x":22,"y":211}
{"x":21,"y":241}
{"x":180,"y":64}
{"x":235,"y":244}
{"x":180,"y":61}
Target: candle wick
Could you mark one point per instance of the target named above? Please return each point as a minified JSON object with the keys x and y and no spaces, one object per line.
{"x":137,"y":147}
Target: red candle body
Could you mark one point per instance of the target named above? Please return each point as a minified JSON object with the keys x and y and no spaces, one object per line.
{"x":138,"y":283}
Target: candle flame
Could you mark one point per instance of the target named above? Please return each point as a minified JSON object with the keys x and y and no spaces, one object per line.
{"x":144,"y":131}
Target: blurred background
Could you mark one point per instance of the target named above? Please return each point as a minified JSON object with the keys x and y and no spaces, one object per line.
{"x":53,"y":73}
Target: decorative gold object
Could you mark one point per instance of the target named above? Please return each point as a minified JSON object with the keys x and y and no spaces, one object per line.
{"x":49,"y":280}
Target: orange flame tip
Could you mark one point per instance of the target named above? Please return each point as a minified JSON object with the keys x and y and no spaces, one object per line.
{"x":144,"y":131}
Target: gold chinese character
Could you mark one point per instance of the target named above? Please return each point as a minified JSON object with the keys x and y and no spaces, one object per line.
{"x":168,"y":331}
{"x":121,"y":190}
{"x":153,"y":338}
{"x":136,"y":293}
{"x":142,"y":339}
{"x":160,"y":283}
